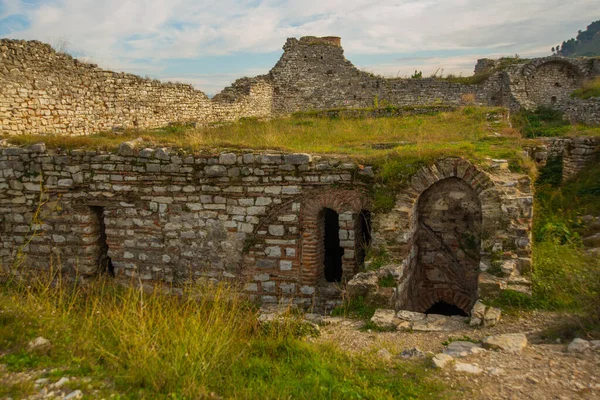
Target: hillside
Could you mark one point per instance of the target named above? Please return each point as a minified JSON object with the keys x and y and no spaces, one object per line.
{"x":586,"y":44}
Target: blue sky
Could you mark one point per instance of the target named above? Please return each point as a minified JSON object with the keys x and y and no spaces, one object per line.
{"x":211,"y":43}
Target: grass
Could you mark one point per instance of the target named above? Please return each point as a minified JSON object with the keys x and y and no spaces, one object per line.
{"x":590,"y":89}
{"x":206,"y":343}
{"x":564,"y":276}
{"x":462,"y":132}
{"x":547,"y":122}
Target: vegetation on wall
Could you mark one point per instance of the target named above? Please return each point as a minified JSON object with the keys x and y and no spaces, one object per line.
{"x":589,"y":89}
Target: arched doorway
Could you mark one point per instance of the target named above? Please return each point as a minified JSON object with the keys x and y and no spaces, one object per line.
{"x":448,"y":240}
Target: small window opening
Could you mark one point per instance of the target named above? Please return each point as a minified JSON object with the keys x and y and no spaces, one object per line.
{"x":105,"y":265}
{"x":553,"y":100}
{"x":333,"y":250}
{"x":557,"y":84}
{"x":443,"y":308}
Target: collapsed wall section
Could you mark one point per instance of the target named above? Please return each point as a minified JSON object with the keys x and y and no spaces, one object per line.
{"x":154,"y":215}
{"x":45,"y":92}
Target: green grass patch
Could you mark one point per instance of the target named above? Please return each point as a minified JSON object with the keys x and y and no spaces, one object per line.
{"x":588,"y":90}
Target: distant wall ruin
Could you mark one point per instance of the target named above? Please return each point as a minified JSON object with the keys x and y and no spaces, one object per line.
{"x":45,"y":92}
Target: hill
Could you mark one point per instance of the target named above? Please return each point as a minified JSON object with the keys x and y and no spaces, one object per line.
{"x":587,"y":43}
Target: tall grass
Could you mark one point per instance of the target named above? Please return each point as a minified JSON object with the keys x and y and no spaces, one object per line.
{"x":204,"y":343}
{"x":565,"y":276}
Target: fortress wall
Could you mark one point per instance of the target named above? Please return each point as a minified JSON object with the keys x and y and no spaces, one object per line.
{"x":45,"y":92}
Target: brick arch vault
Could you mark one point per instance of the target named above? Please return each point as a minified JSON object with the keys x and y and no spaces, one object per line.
{"x":448,"y":211}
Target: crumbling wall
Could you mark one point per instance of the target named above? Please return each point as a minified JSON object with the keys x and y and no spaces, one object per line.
{"x":313,"y":73}
{"x":45,"y":92}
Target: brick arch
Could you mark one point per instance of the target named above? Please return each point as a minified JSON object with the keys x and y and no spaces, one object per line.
{"x":470,"y":179}
{"x":348,"y":204}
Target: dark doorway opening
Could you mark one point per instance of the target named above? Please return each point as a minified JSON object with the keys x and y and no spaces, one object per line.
{"x":443,"y":308}
{"x":333,"y":250}
{"x":105,"y":265}
{"x":364,"y":240}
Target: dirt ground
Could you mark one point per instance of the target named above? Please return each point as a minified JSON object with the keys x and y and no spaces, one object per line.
{"x":544,"y":370}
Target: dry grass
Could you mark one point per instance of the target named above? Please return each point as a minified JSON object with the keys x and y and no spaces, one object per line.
{"x":206,"y":343}
{"x":467,"y":132}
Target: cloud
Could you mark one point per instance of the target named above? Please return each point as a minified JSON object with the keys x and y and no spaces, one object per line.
{"x":141,"y":35}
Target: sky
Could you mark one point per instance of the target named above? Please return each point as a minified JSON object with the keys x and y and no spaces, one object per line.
{"x":209,"y":44}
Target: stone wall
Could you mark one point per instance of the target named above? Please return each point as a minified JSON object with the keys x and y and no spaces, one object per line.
{"x":156,"y":215}
{"x":45,"y":92}
{"x":575,"y":152}
{"x":506,"y":206}
{"x":313,"y":74}
{"x":171,"y":217}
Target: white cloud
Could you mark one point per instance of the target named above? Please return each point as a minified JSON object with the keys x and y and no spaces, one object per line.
{"x":117,"y":33}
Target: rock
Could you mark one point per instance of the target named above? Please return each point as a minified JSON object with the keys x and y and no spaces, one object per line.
{"x":595,"y":344}
{"x":39,"y":344}
{"x":475,"y":321}
{"x":38,"y":148}
{"x":462,"y":349}
{"x":433,"y":323}
{"x":579,"y":346}
{"x":61,"y":382}
{"x":404,"y":326}
{"x":508,"y":267}
{"x":410,"y":316}
{"x":468,"y":368}
{"x":495,"y":371}
{"x":510,"y":342}
{"x":411,"y":353}
{"x":384,"y":354}
{"x":478,"y":310}
{"x":363,"y":284}
{"x":492,"y":316}
{"x":76,"y":394}
{"x":384,"y":319}
{"x":441,"y":360}
{"x":314,"y":318}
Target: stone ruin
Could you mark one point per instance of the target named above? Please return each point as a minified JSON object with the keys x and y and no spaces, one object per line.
{"x":290,"y":228}
{"x":45,"y":92}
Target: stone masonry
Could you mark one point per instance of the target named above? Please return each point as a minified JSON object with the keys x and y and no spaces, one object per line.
{"x":157,"y":215}
{"x":45,"y":92}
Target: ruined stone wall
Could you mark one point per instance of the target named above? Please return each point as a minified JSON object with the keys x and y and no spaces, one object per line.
{"x":505,"y":247}
{"x":549,"y":82}
{"x":45,"y":92}
{"x":575,"y":152}
{"x":313,"y":74}
{"x":174,"y":217}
